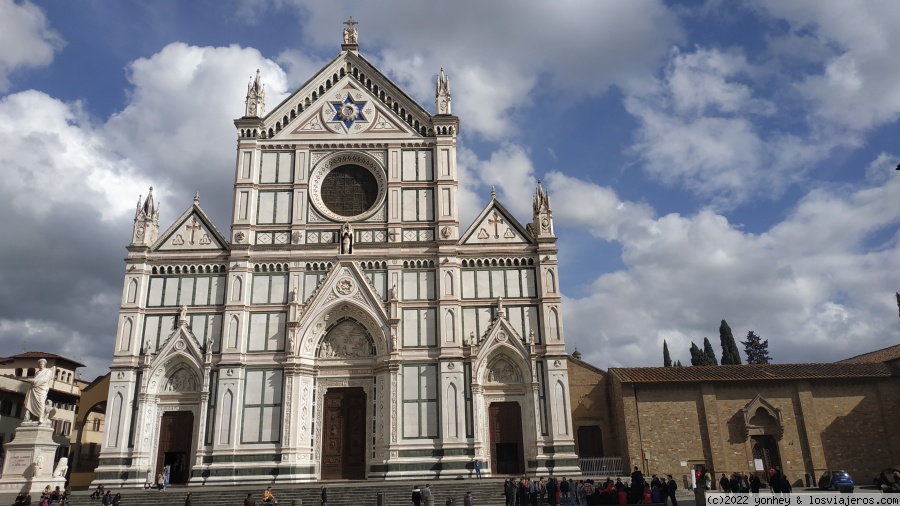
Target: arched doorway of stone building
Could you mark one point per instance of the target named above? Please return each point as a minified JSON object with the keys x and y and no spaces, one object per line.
{"x":507,"y":448}
{"x":176,"y":429}
{"x":344,"y":441}
{"x":763,"y":427}
{"x":345,"y":433}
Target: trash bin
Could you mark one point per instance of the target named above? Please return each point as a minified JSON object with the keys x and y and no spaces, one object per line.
{"x":379,"y":499}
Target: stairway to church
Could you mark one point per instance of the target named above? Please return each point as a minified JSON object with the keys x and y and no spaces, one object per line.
{"x":487,"y":492}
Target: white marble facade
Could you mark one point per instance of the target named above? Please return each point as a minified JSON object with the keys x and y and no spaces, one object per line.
{"x":345,"y":269}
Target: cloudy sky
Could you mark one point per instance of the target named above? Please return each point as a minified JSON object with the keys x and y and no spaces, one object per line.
{"x":706,"y":160}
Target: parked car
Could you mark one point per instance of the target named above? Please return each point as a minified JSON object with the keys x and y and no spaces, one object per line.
{"x":836,"y":480}
{"x":888,"y":480}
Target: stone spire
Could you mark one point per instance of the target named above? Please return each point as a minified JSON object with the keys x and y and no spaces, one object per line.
{"x":255,"y":105}
{"x":146,"y":221}
{"x":442,"y":94}
{"x":542,"y":222}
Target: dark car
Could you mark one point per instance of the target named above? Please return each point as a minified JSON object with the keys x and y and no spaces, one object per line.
{"x":836,"y":480}
{"x":888,"y":480}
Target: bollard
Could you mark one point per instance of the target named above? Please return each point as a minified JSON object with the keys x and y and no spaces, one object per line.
{"x":379,"y":499}
{"x":700,"y":495}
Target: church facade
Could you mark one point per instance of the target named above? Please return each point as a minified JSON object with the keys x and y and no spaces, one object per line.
{"x":346,"y":327}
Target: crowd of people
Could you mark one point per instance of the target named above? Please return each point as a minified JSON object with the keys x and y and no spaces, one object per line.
{"x":568,"y":492}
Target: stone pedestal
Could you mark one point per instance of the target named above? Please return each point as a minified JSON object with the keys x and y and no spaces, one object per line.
{"x":29,"y":464}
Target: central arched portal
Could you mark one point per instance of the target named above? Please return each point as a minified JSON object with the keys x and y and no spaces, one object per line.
{"x":507,"y":448}
{"x":344,"y":444}
{"x":174,"y":452}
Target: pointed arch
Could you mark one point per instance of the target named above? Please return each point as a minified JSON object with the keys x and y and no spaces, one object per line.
{"x":448,"y":283}
{"x":554,"y":324}
{"x":551,"y":281}
{"x":237,"y":288}
{"x":452,"y":411}
{"x":561,"y":413}
{"x":131,"y":296}
{"x":233,"y":325}
{"x":227,"y":418}
{"x":127,"y":330}
{"x":115,"y":421}
{"x":450,"y":326}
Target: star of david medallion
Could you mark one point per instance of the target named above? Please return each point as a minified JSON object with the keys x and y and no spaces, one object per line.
{"x":348,"y":113}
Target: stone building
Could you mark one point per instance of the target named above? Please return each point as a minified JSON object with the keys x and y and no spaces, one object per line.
{"x":346,"y":326}
{"x":805,"y":418}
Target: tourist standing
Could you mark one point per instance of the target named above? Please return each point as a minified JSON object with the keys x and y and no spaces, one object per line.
{"x":417,"y":496}
{"x":672,"y":488}
{"x":249,"y":500}
{"x":427,"y":495}
{"x":477,"y":469}
{"x":187,"y":499}
{"x":324,"y":496}
{"x":469,"y":500}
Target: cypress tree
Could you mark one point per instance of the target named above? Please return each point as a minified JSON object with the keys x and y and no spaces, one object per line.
{"x":730,"y":353}
{"x":667,"y":360}
{"x":709,"y":353}
{"x":696,"y":355}
{"x":756,"y":349}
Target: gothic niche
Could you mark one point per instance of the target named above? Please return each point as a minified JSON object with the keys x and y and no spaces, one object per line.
{"x":181,"y":380}
{"x":347,"y":339}
{"x":762,"y":418}
{"x":504,"y":371}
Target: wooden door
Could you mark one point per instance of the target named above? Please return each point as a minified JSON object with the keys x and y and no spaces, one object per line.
{"x":344,"y":442}
{"x":505,"y":426}
{"x":175,"y":436}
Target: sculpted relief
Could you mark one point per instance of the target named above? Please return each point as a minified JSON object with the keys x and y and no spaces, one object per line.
{"x":503,"y":371}
{"x":346,"y":340}
{"x":182,"y":381}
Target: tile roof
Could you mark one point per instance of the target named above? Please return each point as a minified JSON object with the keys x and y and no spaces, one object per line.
{"x":754,"y":372}
{"x":882,"y":355}
{"x":41,"y":354}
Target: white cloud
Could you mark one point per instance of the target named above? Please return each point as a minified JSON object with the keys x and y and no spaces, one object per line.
{"x":26,"y":39}
{"x":809,"y":284}
{"x":52,"y":155}
{"x":702,"y":127}
{"x":856,"y":88}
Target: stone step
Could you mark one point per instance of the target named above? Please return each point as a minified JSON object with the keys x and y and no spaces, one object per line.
{"x":486,"y":492}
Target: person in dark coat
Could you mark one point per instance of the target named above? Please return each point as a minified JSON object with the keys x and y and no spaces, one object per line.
{"x":417,"y":496}
{"x":552,"y":488}
{"x":324,"y":496}
{"x":754,"y":484}
{"x":724,"y":484}
{"x":775,"y":480}
{"x":249,"y":500}
{"x":672,"y":488}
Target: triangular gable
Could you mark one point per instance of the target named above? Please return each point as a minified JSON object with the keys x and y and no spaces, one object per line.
{"x":193,"y":230}
{"x":502,"y":341}
{"x":495,"y":225}
{"x":345,"y":289}
{"x":180,"y":350}
{"x":348,"y":96}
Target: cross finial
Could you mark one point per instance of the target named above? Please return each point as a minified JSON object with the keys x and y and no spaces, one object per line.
{"x":197,"y":198}
{"x":350,"y":33}
{"x":493,"y":192}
